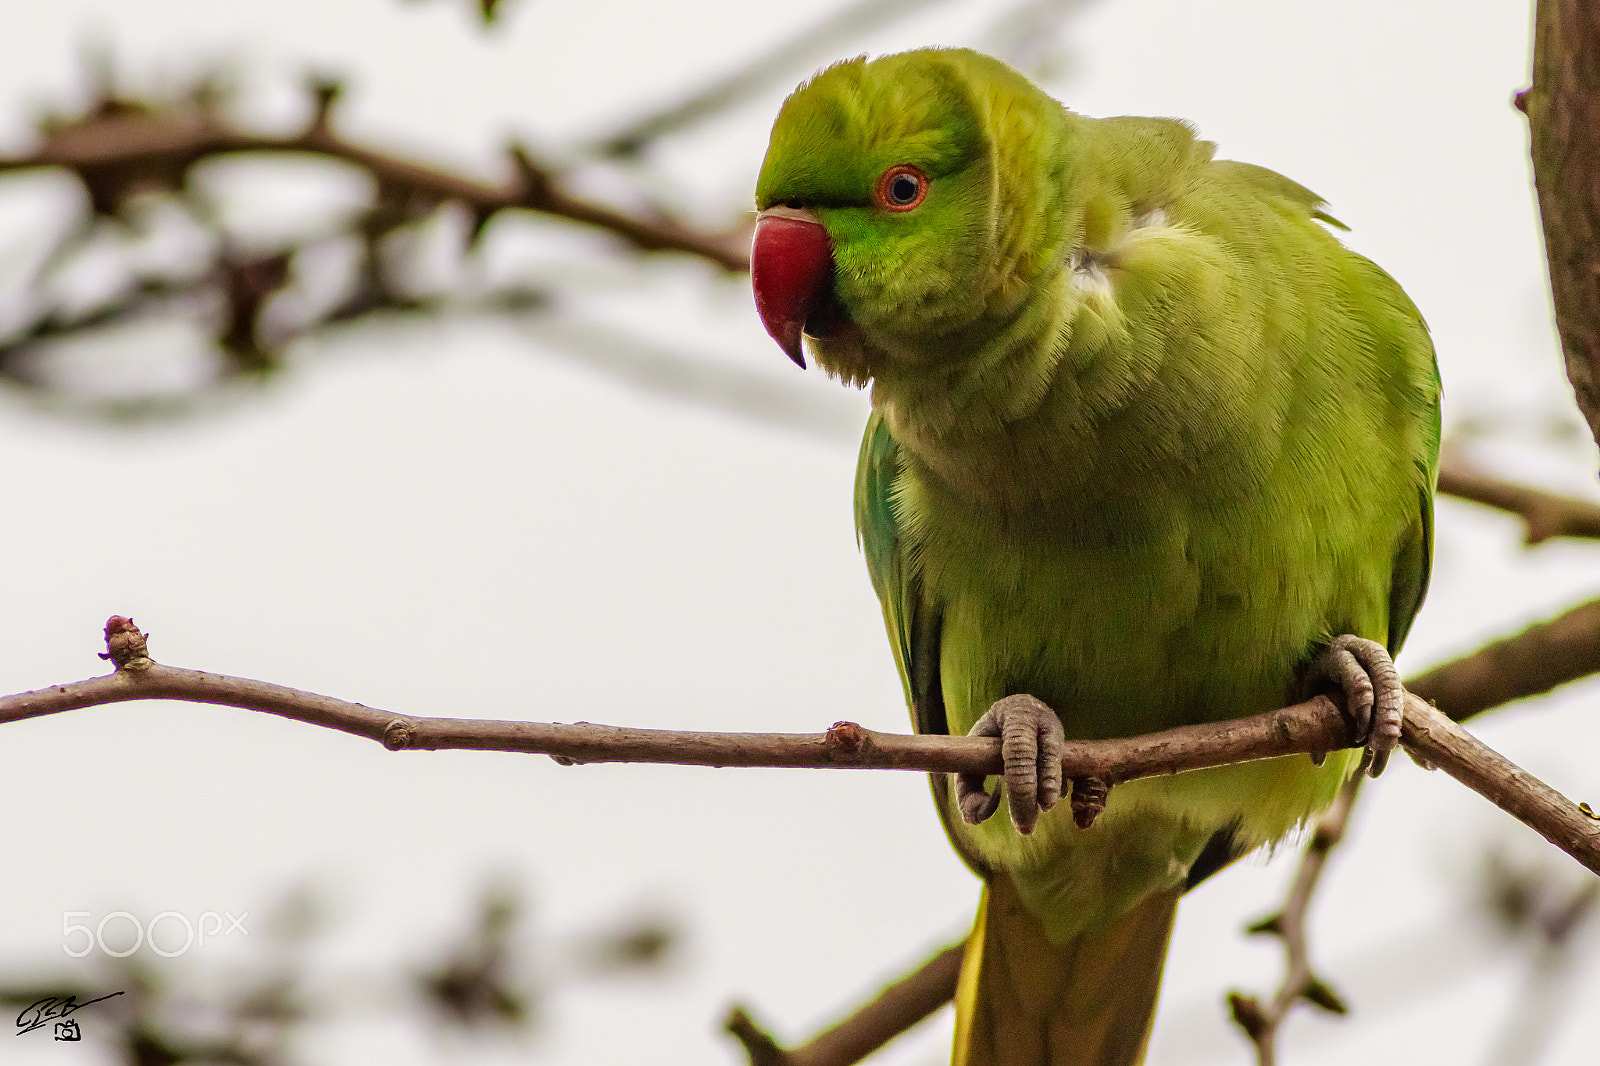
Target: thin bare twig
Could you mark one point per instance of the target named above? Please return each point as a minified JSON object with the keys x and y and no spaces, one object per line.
{"x":852,"y":21}
{"x":935,"y":983}
{"x":1261,"y":1021}
{"x":125,"y":152}
{"x":1314,"y":727}
{"x":1533,"y":661}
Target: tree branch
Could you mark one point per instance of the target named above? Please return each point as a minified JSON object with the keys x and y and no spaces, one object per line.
{"x":1427,"y":734}
{"x":1563,"y":109}
{"x":1540,"y":658}
{"x":131,"y":154}
{"x":1544,"y":514}
{"x":1436,"y":740}
{"x":895,"y":1009}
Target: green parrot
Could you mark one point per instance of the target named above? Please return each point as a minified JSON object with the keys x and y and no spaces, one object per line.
{"x":1148,"y":447}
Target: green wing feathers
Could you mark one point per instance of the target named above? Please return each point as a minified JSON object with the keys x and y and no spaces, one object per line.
{"x":878,"y":537}
{"x":912,"y":622}
{"x":1414,"y":564}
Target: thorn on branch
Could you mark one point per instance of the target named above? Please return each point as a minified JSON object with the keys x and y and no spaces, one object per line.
{"x":474,"y":986}
{"x":1319,"y":993}
{"x":126,"y":647}
{"x":1088,"y":799}
{"x":533,"y":180}
{"x":1271,"y":925}
{"x":325,"y":93}
{"x":1247,"y":1014}
{"x":759,"y":1048}
{"x":249,"y":284}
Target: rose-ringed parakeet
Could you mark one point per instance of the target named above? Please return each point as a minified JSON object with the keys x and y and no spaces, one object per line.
{"x":1148,"y":445}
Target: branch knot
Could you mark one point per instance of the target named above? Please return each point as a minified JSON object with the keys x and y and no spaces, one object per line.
{"x":399,"y":734}
{"x":126,"y":647}
{"x":846,"y":738}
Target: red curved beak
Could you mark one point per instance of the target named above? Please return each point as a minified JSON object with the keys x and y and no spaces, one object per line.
{"x":791,"y":271}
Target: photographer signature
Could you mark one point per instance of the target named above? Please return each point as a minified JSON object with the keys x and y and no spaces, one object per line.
{"x":52,"y":1009}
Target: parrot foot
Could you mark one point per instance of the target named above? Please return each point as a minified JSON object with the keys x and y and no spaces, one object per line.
{"x":1030,"y":743}
{"x":1373,"y":695}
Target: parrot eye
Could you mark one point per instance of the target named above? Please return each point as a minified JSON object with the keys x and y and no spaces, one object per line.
{"x":901,"y":188}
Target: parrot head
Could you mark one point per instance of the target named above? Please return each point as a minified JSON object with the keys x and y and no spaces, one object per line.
{"x":890,"y":211}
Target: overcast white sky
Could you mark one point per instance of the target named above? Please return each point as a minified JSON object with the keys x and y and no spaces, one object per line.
{"x":466,"y":518}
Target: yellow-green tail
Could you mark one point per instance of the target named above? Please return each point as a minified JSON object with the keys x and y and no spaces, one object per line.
{"x":1023,"y":1001}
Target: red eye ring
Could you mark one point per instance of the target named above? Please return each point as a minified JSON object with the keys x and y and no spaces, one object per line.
{"x":901,"y":188}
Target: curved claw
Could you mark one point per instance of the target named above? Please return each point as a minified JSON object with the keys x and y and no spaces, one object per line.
{"x":976,"y":804}
{"x":1373,"y":695}
{"x":1030,"y":744}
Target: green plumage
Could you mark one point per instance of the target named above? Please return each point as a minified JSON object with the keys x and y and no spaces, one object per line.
{"x":1145,"y":437}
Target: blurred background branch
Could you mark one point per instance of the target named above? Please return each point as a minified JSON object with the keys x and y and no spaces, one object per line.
{"x":821,"y":42}
{"x":492,"y":981}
